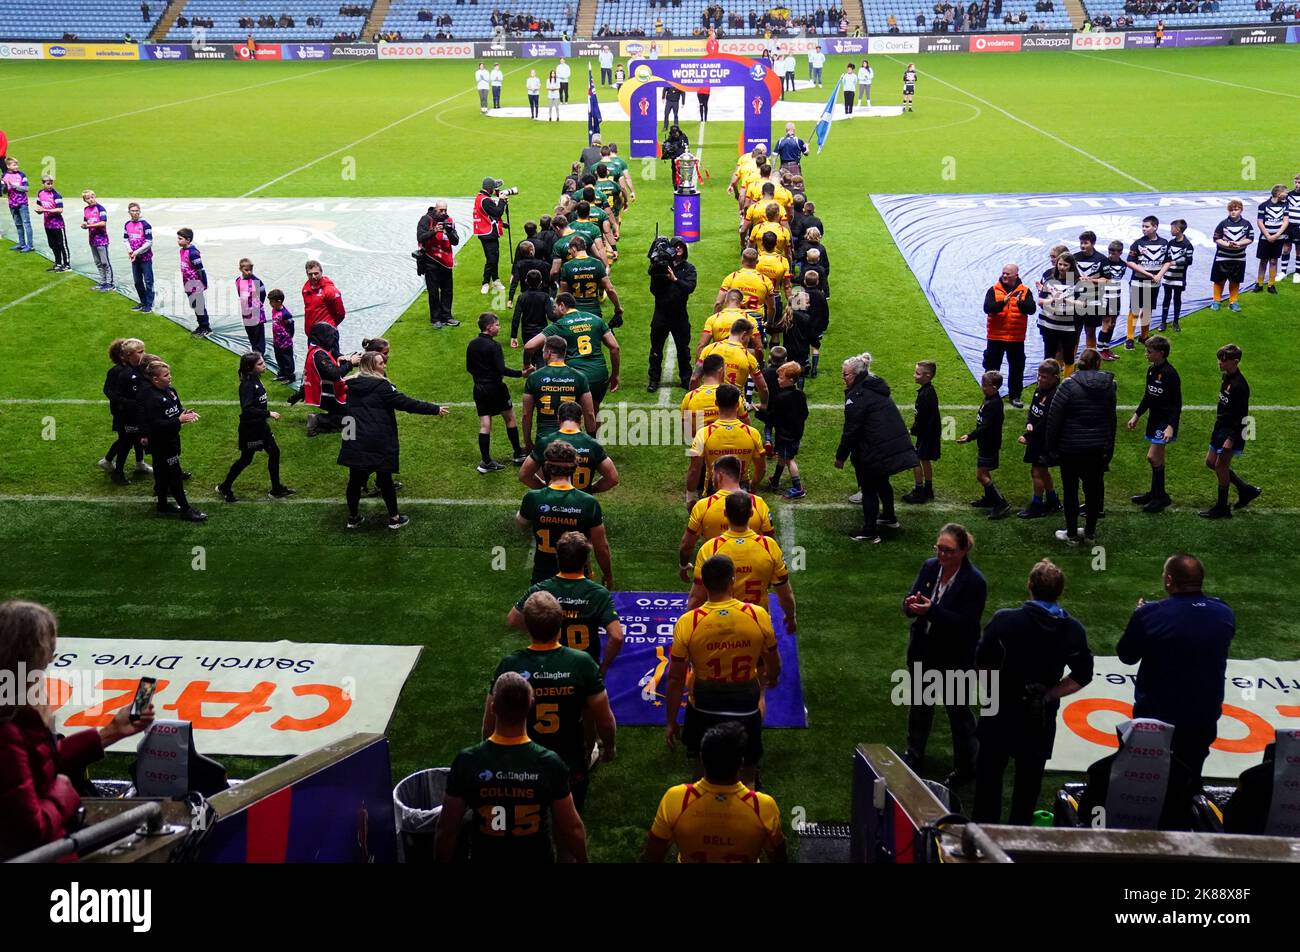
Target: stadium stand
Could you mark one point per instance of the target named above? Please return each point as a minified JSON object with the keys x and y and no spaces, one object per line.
{"x":1185,"y":14}
{"x":77,"y":19}
{"x":639,"y":18}
{"x":221,"y":19}
{"x":475,"y":21}
{"x":1002,"y":16}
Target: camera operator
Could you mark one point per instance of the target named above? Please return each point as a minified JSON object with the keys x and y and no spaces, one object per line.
{"x":436,"y":234}
{"x":489,"y":206}
{"x":672,"y":281}
{"x":676,"y":144}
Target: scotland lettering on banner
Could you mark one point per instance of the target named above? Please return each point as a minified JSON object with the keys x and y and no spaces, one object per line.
{"x":354,"y":51}
{"x":305,"y":51}
{"x":30,"y":51}
{"x":1135,"y":39}
{"x":496,"y":51}
{"x":882,"y":44}
{"x":1259,"y":35}
{"x":945,"y":44}
{"x":1097,"y":41}
{"x":545,"y":50}
{"x":164,"y":51}
{"x":1045,"y":41}
{"x":1201,"y":37}
{"x":995,"y":44}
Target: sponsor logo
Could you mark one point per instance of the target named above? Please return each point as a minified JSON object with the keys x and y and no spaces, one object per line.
{"x":1136,"y":40}
{"x":303,"y":51}
{"x":485,"y":775}
{"x":212,"y":52}
{"x":1273,"y":35}
{"x":271,"y":52}
{"x":1201,"y":37}
{"x":354,"y":52}
{"x":586,"y":49}
{"x":546,"y":50}
{"x":426,"y":51}
{"x":20,"y":51}
{"x":496,"y":51}
{"x":758,"y":72}
{"x":1045,"y":41}
{"x":58,"y":52}
{"x":945,"y":44}
{"x":881,"y":44}
{"x":633,"y":48}
{"x":1097,"y":41}
{"x":995,"y":44}
{"x":165,"y":52}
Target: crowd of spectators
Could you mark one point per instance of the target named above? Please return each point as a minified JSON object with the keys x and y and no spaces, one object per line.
{"x":508,"y":24}
{"x":204,"y":22}
{"x":1153,"y":8}
{"x":776,"y":21}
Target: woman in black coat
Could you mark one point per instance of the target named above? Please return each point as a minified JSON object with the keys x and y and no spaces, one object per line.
{"x":946,"y":605}
{"x":876,"y":441}
{"x":370,"y":435}
{"x":1081,"y":434}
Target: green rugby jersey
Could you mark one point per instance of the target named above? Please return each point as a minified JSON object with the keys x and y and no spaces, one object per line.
{"x":590,"y":454}
{"x":509,"y":785}
{"x":563,"y":680}
{"x":587,"y":605}
{"x":550,"y":386}
{"x":552,"y":513}
{"x":583,"y":332}
{"x":584,"y":276}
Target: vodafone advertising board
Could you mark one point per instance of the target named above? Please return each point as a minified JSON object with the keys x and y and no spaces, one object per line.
{"x":995,"y":44}
{"x":1097,"y":41}
{"x":268,"y":52}
{"x":418,"y":51}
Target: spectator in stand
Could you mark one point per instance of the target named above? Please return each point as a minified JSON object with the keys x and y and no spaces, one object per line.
{"x":39,"y":802}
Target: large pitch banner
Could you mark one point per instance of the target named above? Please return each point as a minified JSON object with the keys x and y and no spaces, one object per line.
{"x":636,"y":681}
{"x":267,"y":699}
{"x":1261,"y":696}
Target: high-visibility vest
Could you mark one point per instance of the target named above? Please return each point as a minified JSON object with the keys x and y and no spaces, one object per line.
{"x":313,"y":387}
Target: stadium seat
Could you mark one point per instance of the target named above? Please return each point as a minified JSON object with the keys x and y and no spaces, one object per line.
{"x":86,"y":19}
{"x":475,"y":22}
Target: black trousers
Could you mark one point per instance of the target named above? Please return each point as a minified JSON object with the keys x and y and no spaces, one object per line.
{"x":990,"y":768}
{"x":491,"y":257}
{"x":606,"y":76}
{"x":704,"y":108}
{"x":58,"y":239}
{"x":169,"y":481}
{"x":1176,"y":296}
{"x":961,"y":719}
{"x":877,"y":499}
{"x":1090,"y":470}
{"x":246,"y":458}
{"x":672,"y":109}
{"x":1014,"y":351}
{"x":357,"y":479}
{"x":848,"y":102}
{"x":121,"y":449}
{"x":1191,"y":745}
{"x":679,"y":326}
{"x":437,"y":279}
{"x":564,"y":92}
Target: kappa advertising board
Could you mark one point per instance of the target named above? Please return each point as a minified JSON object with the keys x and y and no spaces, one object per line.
{"x":945,"y":44}
{"x":418,"y":51}
{"x":1045,"y":41}
{"x":305,"y":51}
{"x":1259,"y":36}
{"x":164,"y":51}
{"x":995,"y":44}
{"x":1097,"y":41}
{"x":883,"y":44}
{"x":95,"y":51}
{"x":26,"y":51}
{"x":354,"y":51}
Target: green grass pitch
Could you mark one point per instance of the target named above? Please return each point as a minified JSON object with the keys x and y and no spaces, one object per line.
{"x":1181,"y":120}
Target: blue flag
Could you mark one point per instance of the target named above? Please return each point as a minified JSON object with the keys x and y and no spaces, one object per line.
{"x":824,"y":123}
{"x":593,"y":106}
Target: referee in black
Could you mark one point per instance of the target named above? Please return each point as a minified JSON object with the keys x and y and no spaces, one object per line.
{"x":487,"y":365}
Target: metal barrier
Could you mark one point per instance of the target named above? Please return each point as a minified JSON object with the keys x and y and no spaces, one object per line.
{"x":147,"y":816}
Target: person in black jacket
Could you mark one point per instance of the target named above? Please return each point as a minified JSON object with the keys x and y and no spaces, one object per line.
{"x":671,"y":285}
{"x":436,"y":234}
{"x":532,"y":315}
{"x":254,"y":430}
{"x":787,"y":413}
{"x":810,"y":316}
{"x":946,"y":605}
{"x":1081,"y":434}
{"x":676,"y":144}
{"x":928,"y":430}
{"x":526,"y":259}
{"x":876,"y":440}
{"x":987,"y":437}
{"x":371,"y":446}
{"x":1228,"y":439}
{"x":162,"y":417}
{"x":122,"y":387}
{"x":1164,"y":398}
{"x":1028,"y":649}
{"x":1034,"y":440}
{"x":323,"y":379}
{"x":487,"y":366}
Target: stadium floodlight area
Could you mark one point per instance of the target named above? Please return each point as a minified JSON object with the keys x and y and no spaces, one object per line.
{"x":84,"y":19}
{"x":897,"y":818}
{"x":474,"y":22}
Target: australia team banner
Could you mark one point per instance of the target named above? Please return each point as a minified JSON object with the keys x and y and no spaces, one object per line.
{"x":639,"y":96}
{"x":956,"y":246}
{"x":637,"y":680}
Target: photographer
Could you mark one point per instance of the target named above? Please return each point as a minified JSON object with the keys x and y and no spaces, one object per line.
{"x":489,"y":206}
{"x":676,"y":144}
{"x":672,"y":281}
{"x":436,"y":234}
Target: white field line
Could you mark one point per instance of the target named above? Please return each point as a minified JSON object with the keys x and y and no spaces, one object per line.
{"x":665,"y":399}
{"x":82,"y":79}
{"x":785,"y":528}
{"x":1043,"y":132}
{"x":41,"y":290}
{"x":179,"y":102}
{"x":665,"y":395}
{"x":343,"y":148}
{"x":1203,"y":79}
{"x":514,"y":504}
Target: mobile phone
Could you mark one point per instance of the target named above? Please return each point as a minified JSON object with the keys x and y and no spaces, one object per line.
{"x":143,"y":697}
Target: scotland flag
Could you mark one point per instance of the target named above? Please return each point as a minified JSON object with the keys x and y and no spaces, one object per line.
{"x":593,"y":106}
{"x":824,"y":123}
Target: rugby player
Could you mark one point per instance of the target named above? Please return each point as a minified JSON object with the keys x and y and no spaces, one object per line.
{"x":558,"y":508}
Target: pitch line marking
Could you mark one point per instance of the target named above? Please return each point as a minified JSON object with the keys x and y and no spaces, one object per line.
{"x":397,"y":122}
{"x":82,"y":79}
{"x":179,"y":102}
{"x":1043,"y":132}
{"x":41,"y":290}
{"x":1204,"y":79}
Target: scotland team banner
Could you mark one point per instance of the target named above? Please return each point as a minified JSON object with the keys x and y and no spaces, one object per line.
{"x":956,"y":246}
{"x":637,"y":679}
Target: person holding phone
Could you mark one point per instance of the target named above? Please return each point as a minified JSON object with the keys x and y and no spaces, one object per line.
{"x":39,"y":803}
